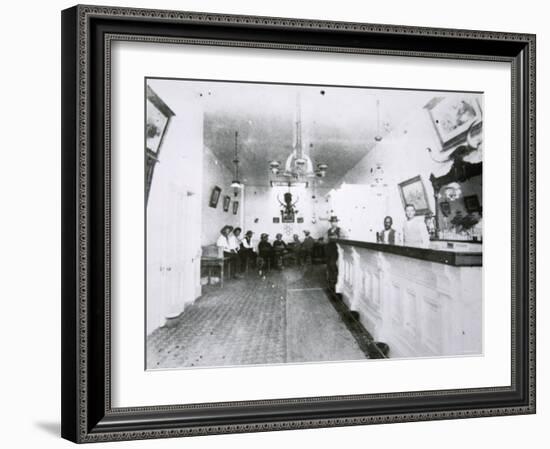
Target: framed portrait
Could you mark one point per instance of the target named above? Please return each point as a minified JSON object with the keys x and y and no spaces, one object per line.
{"x":158,"y":117}
{"x":305,"y":108}
{"x":453,"y":118}
{"x":215,"y":197}
{"x":226,"y":202}
{"x":413,"y":192}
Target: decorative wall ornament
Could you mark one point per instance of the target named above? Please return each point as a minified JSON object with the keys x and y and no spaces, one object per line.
{"x":288,"y":210}
{"x":451,"y":191}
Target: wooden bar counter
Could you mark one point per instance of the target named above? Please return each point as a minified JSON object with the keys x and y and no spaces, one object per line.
{"x":423,"y":302}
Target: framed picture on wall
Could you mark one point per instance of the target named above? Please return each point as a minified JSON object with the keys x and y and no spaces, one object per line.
{"x":158,"y":117}
{"x":123,"y":360}
{"x":215,"y":197}
{"x":226,"y":202}
{"x":452,"y":118}
{"x":413,"y":192}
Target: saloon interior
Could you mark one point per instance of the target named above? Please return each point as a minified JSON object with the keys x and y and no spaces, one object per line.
{"x":324,"y":167}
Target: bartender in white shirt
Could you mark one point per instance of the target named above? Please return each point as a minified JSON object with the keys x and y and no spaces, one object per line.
{"x":414,"y":229}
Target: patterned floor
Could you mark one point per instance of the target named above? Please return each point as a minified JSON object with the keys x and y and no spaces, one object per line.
{"x":282,"y":317}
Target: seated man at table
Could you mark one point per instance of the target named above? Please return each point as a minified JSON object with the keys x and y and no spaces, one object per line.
{"x":265,"y":253}
{"x":234,"y":239}
{"x":247,"y":253}
{"x":307,"y":247}
{"x":295,"y":249}
{"x":279,"y":249}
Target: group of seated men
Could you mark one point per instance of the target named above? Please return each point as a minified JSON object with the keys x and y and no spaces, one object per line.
{"x":243,"y":253}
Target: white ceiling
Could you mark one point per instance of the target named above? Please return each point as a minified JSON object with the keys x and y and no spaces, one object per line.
{"x":339,"y":123}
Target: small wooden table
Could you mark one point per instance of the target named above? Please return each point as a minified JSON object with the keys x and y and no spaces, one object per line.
{"x":210,"y":262}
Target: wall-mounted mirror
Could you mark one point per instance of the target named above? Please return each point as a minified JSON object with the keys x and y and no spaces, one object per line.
{"x":459,"y":199}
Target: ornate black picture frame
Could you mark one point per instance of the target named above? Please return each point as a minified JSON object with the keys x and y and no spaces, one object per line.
{"x":215,"y":197}
{"x":87,"y":35}
{"x":226,"y":202}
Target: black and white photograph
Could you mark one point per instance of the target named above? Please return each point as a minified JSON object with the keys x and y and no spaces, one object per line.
{"x":350,"y":229}
{"x":277,"y":219}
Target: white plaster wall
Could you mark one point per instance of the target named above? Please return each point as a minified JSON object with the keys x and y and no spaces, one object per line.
{"x":179,"y":167}
{"x":261,"y":203}
{"x":213,"y":219}
{"x":403,"y":154}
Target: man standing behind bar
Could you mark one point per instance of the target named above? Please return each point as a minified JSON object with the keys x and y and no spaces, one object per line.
{"x":387,"y":235}
{"x":414,"y":230}
{"x":331,"y":252}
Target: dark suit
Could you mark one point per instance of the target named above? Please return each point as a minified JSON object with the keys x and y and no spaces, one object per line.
{"x":391,"y":237}
{"x":331,"y":254}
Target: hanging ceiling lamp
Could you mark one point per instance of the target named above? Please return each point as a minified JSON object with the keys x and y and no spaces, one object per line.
{"x":378,"y":136}
{"x":236,"y":184}
{"x":298,"y":164}
{"x":274,"y":167}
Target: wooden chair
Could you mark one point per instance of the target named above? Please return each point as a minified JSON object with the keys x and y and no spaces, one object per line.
{"x":290,"y":257}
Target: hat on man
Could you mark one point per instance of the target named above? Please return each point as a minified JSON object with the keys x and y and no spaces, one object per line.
{"x":249,"y":233}
{"x":226,"y":227}
{"x":334,"y":219}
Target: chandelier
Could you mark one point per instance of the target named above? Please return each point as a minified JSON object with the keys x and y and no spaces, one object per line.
{"x":236,"y":184}
{"x":298,"y":164}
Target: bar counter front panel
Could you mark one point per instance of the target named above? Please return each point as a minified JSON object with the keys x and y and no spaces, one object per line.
{"x":422,"y":302}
